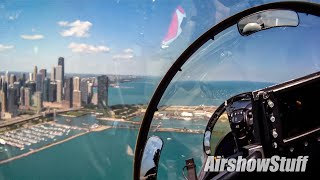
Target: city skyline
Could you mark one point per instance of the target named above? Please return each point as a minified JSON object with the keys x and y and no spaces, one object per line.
{"x":20,"y":93}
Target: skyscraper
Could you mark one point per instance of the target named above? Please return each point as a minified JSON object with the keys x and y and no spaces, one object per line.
{"x":39,"y":82}
{"x":12,"y":101}
{"x":69,"y":92}
{"x":13,"y":79}
{"x":32,"y":86}
{"x":3,"y":101}
{"x":1,"y":82}
{"x":59,"y":91}
{"x":76,"y":98}
{"x":27,"y":97}
{"x":24,"y":77}
{"x":58,"y":73}
{"x":103,"y":87}
{"x":17,"y":86}
{"x":61,"y":63}
{"x":4,"y":97}
{"x":84,"y":91}
{"x":45,"y":89}
{"x":7,"y":77}
{"x":38,"y":100}
{"x":31,"y":77}
{"x":35,"y":72}
{"x":90,"y":92}
{"x":43,"y":73}
{"x":53,"y":91}
{"x":22,"y":96}
{"x":76,"y":83}
{"x":53,"y":74}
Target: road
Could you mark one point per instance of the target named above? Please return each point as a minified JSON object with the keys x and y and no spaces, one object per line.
{"x":19,"y":120}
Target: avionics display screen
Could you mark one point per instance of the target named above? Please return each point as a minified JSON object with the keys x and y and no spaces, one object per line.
{"x":299,"y":108}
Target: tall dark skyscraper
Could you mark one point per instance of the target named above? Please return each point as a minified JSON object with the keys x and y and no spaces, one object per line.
{"x":12,"y":101}
{"x":45,"y":89}
{"x":1,"y":82}
{"x":61,"y":63}
{"x":17,"y":86}
{"x":69,"y":91}
{"x":39,"y":82}
{"x":103,"y":87}
{"x":53,"y":92}
{"x":24,"y":77}
{"x":84,"y":91}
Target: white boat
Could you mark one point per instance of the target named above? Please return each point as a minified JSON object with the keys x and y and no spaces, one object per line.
{"x":2,"y":141}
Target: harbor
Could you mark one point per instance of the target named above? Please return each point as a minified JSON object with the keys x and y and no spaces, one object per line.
{"x":30,"y":138}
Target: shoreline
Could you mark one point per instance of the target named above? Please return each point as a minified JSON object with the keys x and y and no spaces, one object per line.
{"x":42,"y":148}
{"x":99,"y":129}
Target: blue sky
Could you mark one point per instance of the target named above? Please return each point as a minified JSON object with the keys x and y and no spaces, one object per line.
{"x":124,"y":37}
{"x":41,"y":31}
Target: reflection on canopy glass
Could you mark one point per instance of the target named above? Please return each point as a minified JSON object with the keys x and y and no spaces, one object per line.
{"x":267,"y":19}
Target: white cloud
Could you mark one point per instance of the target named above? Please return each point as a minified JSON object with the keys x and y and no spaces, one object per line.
{"x":5,"y":47}
{"x":13,"y":16}
{"x":127,"y":54}
{"x":63,"y":23}
{"x":87,"y":48}
{"x":123,"y":56}
{"x":128,"y":50}
{"x":32,"y":37}
{"x":77,"y":28}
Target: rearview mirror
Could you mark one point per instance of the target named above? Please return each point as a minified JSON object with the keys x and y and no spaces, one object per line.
{"x":150,"y":158}
{"x":267,"y":19}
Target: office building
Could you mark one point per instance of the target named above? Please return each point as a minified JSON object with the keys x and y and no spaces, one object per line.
{"x":38,"y":102}
{"x":43,"y":73}
{"x":53,"y":91}
{"x":61,"y":63}
{"x":45,"y":89}
{"x":12,"y":79}
{"x":4,"y":97}
{"x":58,"y":70}
{"x":30,"y":76}
{"x":39,"y":82}
{"x":53,"y":74}
{"x":59,"y":91}
{"x":69,"y":91}
{"x":76,"y":98}
{"x":27,"y":97}
{"x":76,"y":83}
{"x":7,"y":77}
{"x":35,"y":72}
{"x":12,"y":101}
{"x":102,"y":94}
{"x":32,"y":86}
{"x":84,"y":91}
{"x":22,"y":96}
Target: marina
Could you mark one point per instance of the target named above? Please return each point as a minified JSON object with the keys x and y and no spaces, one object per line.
{"x":28,"y":136}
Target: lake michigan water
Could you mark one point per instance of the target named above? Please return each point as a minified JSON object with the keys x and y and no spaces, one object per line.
{"x":109,"y":154}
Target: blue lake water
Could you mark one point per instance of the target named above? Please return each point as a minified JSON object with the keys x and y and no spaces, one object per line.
{"x":108,"y":154}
